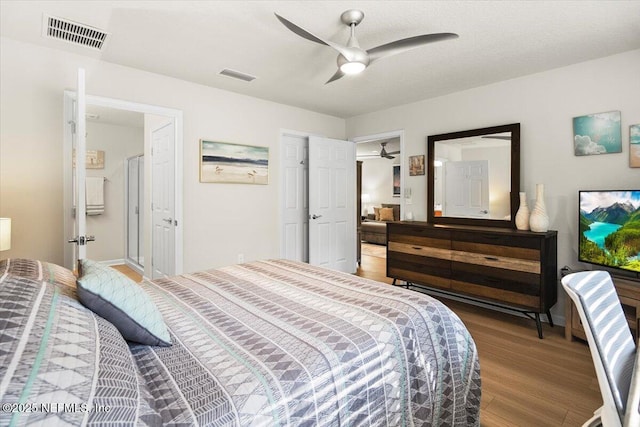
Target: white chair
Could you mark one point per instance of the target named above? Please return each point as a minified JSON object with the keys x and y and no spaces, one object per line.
{"x":610,"y":341}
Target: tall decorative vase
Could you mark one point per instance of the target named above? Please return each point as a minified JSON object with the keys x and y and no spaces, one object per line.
{"x":539,"y":220}
{"x":522,"y":216}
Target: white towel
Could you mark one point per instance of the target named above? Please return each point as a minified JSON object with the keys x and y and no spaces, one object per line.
{"x":95,"y":195}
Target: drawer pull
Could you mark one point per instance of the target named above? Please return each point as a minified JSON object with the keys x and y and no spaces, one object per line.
{"x":417,"y":248}
{"x":491,"y":258}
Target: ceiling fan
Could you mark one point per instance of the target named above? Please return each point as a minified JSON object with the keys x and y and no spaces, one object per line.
{"x":352,"y":59}
{"x":383,"y":152}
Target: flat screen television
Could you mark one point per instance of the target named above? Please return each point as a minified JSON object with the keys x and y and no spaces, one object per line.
{"x":609,"y":229}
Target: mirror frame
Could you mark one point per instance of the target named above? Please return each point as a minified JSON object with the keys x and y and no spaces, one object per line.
{"x":514,"y":128}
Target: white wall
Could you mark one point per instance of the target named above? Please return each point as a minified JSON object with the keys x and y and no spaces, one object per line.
{"x":220,"y":220}
{"x":544,"y":104}
{"x":118,"y":143}
{"x":377,"y":181}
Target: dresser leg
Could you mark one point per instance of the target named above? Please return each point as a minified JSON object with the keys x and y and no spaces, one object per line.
{"x":539,"y":325}
{"x":550,"y":318}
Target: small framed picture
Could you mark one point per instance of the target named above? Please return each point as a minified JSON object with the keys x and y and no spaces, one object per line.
{"x":634,"y":146}
{"x":416,"y":165}
{"x":396,"y":180}
{"x":599,"y":133}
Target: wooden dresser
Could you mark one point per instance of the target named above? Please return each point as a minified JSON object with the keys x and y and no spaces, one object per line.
{"x":505,"y":267}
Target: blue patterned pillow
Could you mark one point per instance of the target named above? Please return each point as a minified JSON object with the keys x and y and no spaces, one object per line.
{"x":118,"y":299}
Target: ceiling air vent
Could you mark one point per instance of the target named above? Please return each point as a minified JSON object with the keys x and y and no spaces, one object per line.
{"x":237,"y":75}
{"x":73,"y":32}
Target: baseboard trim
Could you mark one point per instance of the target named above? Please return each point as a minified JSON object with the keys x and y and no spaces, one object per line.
{"x":111,"y":262}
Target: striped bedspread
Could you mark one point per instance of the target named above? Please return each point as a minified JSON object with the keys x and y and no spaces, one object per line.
{"x":282,"y":343}
{"x":269,"y":343}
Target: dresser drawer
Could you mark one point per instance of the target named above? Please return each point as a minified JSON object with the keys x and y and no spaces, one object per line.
{"x":420,"y":269}
{"x":511,"y":240}
{"x":496,"y":261}
{"x":496,"y":295}
{"x":418,"y":249}
{"x":496,"y":280}
{"x":402,"y":231}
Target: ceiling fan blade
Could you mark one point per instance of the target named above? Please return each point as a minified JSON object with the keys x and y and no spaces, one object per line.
{"x":402,"y":45}
{"x":506,"y":138}
{"x":347,"y":53}
{"x":393,"y":152}
{"x":338,"y":75}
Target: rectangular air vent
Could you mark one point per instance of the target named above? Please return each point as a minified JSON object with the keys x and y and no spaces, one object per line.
{"x":237,"y":75}
{"x":73,"y":32}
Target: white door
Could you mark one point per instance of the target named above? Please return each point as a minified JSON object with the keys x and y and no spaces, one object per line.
{"x":295,"y":205}
{"x":467,"y":189}
{"x":332,"y":204}
{"x":163,"y":201}
{"x":78,"y":190}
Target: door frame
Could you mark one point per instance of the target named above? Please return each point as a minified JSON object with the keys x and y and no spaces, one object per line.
{"x":404,"y":161}
{"x":176,"y":115}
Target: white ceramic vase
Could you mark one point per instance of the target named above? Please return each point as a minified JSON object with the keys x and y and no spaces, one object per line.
{"x":522,"y":216}
{"x":539,"y":220}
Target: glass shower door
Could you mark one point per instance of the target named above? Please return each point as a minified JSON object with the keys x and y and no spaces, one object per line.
{"x":135,"y":197}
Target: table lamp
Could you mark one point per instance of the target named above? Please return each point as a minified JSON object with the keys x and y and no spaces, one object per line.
{"x":366,"y":199}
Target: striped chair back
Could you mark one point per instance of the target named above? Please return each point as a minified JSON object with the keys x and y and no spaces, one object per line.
{"x":602,"y":313}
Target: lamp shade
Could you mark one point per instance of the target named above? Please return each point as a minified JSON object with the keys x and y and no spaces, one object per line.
{"x":366,"y":198}
{"x":5,"y":234}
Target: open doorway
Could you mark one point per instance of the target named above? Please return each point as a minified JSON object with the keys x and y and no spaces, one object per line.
{"x":381,"y":187}
{"x":115,"y":186}
{"x":123,"y":130}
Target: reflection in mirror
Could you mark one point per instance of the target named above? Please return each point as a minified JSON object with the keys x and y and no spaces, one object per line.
{"x":471,"y":178}
{"x":477,"y":173}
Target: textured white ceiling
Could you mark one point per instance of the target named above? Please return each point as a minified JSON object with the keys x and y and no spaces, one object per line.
{"x":195,"y":40}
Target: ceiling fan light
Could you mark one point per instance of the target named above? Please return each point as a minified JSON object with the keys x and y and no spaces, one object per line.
{"x":352,"y":67}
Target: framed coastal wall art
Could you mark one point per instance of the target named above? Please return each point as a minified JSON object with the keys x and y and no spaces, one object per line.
{"x":396,"y":180}
{"x":224,"y":162}
{"x":598,"y":133}
{"x":634,"y":146}
{"x":94,"y":159}
{"x":416,"y":165}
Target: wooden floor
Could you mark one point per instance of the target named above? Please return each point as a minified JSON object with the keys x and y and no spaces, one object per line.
{"x":526,"y":381}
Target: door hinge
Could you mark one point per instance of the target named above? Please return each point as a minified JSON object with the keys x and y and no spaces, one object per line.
{"x":73,"y":126}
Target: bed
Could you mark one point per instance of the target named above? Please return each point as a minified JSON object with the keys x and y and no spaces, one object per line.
{"x":264,"y":343}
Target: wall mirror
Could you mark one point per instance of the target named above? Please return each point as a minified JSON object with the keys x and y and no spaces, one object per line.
{"x":474,"y":176}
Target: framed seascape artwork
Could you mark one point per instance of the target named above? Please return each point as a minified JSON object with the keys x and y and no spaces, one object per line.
{"x":233,"y":163}
{"x":634,"y":146}
{"x":396,"y":180}
{"x":416,"y":165}
{"x":599,"y":133}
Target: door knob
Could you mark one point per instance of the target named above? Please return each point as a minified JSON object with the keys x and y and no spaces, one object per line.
{"x":316,"y":216}
{"x":168,"y":220}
